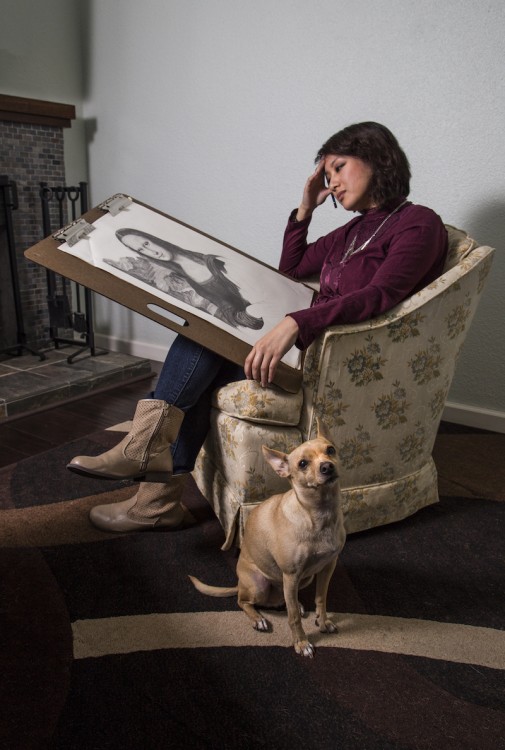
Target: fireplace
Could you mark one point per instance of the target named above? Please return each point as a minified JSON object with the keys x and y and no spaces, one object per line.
{"x":31,"y":165}
{"x":31,"y":152}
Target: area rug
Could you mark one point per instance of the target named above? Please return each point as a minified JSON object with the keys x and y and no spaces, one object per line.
{"x":106,"y":645}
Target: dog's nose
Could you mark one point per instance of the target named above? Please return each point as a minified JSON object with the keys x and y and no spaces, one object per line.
{"x":327,"y":468}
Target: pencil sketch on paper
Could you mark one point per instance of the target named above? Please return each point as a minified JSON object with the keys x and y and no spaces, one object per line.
{"x":194,"y":272}
{"x":198,"y":279}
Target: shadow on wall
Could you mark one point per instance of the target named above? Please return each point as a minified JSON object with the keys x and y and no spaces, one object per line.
{"x":488,"y":225}
{"x":85,"y":23}
{"x":488,"y":228}
{"x":479,"y":376}
{"x":90,"y":128}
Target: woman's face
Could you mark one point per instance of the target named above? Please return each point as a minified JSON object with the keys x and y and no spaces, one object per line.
{"x":146,"y":247}
{"x":349,"y":179}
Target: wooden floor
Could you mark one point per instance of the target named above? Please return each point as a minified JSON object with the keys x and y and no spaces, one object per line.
{"x":29,"y":435}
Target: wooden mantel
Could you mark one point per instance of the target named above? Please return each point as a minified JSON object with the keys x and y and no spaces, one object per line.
{"x":36,"y":112}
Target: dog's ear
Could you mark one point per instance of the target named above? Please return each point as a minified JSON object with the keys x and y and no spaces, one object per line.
{"x":277,"y":460}
{"x":323,"y":431}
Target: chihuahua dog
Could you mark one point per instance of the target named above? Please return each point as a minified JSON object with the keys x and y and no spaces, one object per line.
{"x":290,"y":538}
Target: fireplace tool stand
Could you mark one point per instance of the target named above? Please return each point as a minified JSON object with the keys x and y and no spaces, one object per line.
{"x":60,"y":314}
{"x":9,"y":201}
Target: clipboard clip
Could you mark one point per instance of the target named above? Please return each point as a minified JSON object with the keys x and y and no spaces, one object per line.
{"x":72,"y":233}
{"x":116,"y":203}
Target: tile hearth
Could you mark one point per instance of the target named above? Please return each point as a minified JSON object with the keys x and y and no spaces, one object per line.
{"x":28,"y":384}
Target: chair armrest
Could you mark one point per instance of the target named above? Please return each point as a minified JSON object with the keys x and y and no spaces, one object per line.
{"x":247,"y":400}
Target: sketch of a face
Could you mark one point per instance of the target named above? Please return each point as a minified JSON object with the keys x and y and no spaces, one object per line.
{"x":193,"y":264}
{"x":146,"y":247}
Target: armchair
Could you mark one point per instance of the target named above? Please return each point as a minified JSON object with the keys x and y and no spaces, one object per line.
{"x":380,"y":386}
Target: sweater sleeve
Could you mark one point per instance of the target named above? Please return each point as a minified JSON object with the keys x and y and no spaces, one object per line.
{"x":300,"y":259}
{"x":415,"y":256}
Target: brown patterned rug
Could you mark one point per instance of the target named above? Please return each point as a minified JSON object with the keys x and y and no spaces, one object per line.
{"x":106,"y":645}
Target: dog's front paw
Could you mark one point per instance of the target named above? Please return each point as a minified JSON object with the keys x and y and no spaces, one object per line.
{"x":261,"y":624}
{"x":326,"y":625}
{"x":305,"y":648}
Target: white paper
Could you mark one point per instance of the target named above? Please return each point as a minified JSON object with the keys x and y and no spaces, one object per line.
{"x":193,"y":272}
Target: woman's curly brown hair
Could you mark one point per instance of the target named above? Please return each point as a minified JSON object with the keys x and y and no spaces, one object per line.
{"x":377,"y":146}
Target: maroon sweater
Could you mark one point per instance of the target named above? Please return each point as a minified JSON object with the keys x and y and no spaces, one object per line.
{"x":407,"y":253}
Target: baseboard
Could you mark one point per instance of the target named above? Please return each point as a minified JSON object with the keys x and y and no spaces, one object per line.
{"x":146,"y":350}
{"x":474,"y":416}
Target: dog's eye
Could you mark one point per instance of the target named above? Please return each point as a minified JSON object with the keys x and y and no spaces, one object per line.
{"x":303,"y":464}
{"x":330,"y":451}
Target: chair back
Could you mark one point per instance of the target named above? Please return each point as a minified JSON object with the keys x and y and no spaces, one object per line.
{"x":381,"y":386}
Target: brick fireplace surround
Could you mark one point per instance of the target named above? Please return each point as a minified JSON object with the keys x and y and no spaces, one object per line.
{"x":31,"y":151}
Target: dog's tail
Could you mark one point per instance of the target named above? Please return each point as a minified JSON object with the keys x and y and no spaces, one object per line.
{"x":213,"y":590}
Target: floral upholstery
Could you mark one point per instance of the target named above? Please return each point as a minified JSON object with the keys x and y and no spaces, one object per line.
{"x":380,"y":386}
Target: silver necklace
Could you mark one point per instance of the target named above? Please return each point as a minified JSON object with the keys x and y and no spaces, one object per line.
{"x":352,"y":250}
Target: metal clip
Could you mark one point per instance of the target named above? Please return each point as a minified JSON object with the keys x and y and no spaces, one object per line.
{"x":72,"y":233}
{"x":116,"y":203}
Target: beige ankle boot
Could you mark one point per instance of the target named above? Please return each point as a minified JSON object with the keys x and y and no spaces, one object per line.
{"x":144,"y":453}
{"x":154,"y":506}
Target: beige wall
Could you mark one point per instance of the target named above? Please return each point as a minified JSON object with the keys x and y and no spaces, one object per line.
{"x":41,"y":57}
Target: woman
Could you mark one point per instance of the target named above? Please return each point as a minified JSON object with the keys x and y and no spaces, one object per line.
{"x":390,"y":250}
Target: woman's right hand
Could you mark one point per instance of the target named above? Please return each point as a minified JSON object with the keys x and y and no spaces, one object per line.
{"x":314,"y":193}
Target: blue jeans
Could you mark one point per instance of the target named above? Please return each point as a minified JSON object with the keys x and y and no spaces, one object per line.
{"x":189,"y":376}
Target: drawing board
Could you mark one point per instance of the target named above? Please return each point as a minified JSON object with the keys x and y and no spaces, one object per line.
{"x":182,"y":278}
